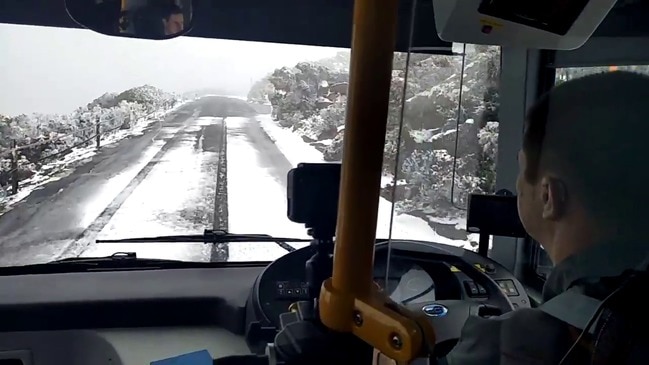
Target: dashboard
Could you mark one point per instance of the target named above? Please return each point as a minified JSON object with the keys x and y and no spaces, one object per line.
{"x":140,"y":316}
{"x":411,"y":276}
{"x":123,"y":317}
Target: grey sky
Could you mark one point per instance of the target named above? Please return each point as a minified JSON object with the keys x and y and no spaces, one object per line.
{"x":51,"y":70}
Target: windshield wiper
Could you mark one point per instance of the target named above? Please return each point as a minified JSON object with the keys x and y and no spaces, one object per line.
{"x":208,"y":237}
{"x":119,"y":261}
{"x":117,"y":258}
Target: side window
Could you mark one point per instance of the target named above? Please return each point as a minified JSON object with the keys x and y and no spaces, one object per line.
{"x":568,"y":73}
{"x":449,"y":140}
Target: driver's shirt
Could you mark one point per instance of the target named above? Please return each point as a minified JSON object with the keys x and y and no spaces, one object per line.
{"x":529,"y":336}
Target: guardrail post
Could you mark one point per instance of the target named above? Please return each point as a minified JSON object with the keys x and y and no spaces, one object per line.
{"x":98,"y":131}
{"x":14,"y":168}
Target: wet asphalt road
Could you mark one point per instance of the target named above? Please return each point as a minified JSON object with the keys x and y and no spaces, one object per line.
{"x":54,"y":221}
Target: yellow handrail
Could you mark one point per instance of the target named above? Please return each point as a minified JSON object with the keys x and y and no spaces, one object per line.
{"x":349,"y":301}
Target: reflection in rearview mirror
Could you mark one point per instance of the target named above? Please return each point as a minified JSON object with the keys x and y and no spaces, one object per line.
{"x":148,"y":19}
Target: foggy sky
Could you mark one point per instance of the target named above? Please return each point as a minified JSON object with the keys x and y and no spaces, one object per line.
{"x":52,"y":70}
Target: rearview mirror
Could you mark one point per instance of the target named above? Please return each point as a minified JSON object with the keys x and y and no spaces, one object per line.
{"x":148,"y":19}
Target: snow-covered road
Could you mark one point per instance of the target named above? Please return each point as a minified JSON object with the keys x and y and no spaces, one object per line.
{"x":257,"y":191}
{"x":168,"y":181}
{"x":177,"y":196}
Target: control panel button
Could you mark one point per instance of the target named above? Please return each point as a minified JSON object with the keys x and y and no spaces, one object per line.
{"x":481,"y":290}
{"x":471,"y":288}
{"x":292,"y":290}
{"x":508,"y":287}
{"x":474,"y":290}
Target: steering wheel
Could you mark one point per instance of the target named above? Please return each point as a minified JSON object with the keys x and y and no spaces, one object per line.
{"x":270,"y":298}
{"x":448,"y":316}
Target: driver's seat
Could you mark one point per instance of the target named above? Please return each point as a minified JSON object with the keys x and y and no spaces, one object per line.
{"x":609,"y":326}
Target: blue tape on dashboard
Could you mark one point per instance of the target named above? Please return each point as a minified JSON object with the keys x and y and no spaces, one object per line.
{"x":202,"y":357}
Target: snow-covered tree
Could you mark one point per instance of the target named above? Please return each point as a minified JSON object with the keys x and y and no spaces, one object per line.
{"x":441,"y":151}
{"x":54,"y":135}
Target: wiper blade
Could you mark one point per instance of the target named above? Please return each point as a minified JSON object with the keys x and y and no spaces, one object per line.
{"x":119,"y":261}
{"x":117,"y":257}
{"x":208,"y":237}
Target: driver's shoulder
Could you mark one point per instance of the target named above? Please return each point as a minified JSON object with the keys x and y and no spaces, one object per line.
{"x":531,"y":336}
{"x":525,"y":336}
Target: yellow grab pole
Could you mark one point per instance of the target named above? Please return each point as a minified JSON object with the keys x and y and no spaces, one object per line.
{"x":373,"y":40}
{"x":373,"y":43}
{"x":349,"y":301}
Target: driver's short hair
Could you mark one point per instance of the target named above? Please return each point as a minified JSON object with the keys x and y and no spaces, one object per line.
{"x":593,"y":133}
{"x":175,"y":9}
{"x":170,"y":9}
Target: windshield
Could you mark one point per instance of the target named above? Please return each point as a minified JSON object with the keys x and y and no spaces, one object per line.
{"x":108,"y":138}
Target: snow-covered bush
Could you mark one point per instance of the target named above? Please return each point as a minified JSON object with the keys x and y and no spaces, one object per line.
{"x":54,"y":135}
{"x":443,"y":156}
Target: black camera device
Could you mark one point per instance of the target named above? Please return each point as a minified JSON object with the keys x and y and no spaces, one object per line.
{"x":312,"y":197}
{"x":493,"y":215}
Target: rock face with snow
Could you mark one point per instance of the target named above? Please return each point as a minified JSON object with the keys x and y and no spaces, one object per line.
{"x":443,"y":155}
{"x":448,"y":136}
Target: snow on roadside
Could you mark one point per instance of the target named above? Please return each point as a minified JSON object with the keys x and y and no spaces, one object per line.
{"x":256,"y":200}
{"x":53,"y":171}
{"x":405,"y":226}
{"x":292,"y":146}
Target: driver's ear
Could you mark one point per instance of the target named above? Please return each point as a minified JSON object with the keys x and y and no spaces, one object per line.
{"x":554,"y":198}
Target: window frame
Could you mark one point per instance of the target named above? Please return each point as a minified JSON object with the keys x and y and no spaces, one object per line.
{"x":604,"y":51}
{"x":525,"y":75}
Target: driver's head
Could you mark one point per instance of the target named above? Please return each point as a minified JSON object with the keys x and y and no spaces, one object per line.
{"x":583,"y":166}
{"x":173,"y":20}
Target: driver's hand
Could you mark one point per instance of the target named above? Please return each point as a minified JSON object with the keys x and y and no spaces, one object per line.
{"x":379,"y":359}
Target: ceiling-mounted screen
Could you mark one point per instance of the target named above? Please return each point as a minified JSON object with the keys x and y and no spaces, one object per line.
{"x":539,"y":24}
{"x":555,"y":16}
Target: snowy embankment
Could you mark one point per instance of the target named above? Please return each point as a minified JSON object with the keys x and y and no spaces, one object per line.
{"x":405,"y":226}
{"x":256,"y":194}
{"x":55,"y":170}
